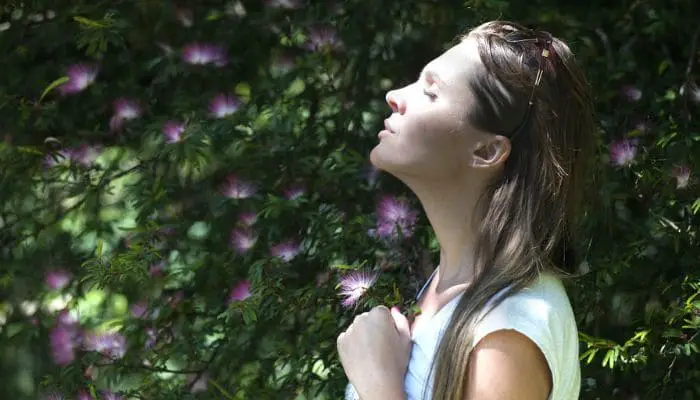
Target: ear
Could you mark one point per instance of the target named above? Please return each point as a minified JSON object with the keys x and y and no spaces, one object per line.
{"x":491,"y":152}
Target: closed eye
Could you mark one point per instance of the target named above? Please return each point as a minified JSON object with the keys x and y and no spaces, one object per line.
{"x":432,"y":96}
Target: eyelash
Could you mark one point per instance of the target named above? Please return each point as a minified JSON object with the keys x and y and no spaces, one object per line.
{"x":432,"y":96}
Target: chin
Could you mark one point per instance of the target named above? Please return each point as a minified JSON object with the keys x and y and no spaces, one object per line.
{"x":385,"y":160}
{"x":377,"y":159}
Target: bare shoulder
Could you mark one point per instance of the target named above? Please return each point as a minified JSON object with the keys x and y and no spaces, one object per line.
{"x":507,"y":365}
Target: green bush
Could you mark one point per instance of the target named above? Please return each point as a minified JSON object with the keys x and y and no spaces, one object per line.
{"x":183,"y":187}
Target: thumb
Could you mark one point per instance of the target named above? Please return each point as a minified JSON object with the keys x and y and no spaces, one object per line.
{"x":401,"y":322}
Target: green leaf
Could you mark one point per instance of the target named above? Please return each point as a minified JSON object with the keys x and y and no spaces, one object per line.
{"x":99,"y":249}
{"x":589,"y":355}
{"x":53,"y":85}
{"x":249,"y":316}
{"x":88,"y":22}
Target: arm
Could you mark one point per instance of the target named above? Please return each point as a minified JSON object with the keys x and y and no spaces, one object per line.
{"x":506,"y":365}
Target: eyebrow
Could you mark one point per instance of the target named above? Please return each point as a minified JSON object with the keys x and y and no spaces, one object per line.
{"x":431,"y":75}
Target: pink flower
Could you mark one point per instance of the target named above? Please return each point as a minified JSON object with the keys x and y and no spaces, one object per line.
{"x":394,"y":214}
{"x":80,"y":76}
{"x":124,"y":110}
{"x":239,"y":292}
{"x":294,"y":191}
{"x":151,"y":338}
{"x":185,"y":17}
{"x":288,"y":4}
{"x":110,"y":344}
{"x":83,"y":394}
{"x":223,"y":105}
{"x":172,"y":131}
{"x":53,"y":159}
{"x":355,"y":284}
{"x":322,"y":37}
{"x":109,"y":395}
{"x":235,"y":188}
{"x":286,"y":250}
{"x":63,"y":340}
{"x":139,"y":309}
{"x":248,"y":218}
{"x":57,"y":279}
{"x":623,"y":152}
{"x":682,"y":175}
{"x":204,"y":54}
{"x":242,"y":240}
{"x":84,"y":155}
{"x":66,"y":318}
{"x":631,"y":93}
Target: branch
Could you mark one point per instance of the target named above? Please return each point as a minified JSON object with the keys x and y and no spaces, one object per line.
{"x":150,"y":368}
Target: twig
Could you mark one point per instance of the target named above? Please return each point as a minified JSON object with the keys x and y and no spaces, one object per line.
{"x":152,"y":369}
{"x":221,"y":389}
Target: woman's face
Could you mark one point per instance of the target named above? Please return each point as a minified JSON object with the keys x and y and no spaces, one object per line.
{"x":427,"y":134}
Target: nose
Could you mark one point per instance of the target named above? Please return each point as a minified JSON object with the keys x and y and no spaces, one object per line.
{"x":396,"y":103}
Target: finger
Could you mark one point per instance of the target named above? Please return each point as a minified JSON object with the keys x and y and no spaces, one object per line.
{"x":401,"y":322}
{"x":380,"y":312}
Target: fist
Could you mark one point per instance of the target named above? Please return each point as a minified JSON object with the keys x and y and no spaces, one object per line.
{"x":374,"y":352}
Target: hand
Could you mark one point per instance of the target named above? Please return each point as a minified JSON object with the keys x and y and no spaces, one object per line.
{"x":374,"y":352}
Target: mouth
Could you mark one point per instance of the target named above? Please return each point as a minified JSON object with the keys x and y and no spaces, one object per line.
{"x":387,"y":127}
{"x":387,"y":131}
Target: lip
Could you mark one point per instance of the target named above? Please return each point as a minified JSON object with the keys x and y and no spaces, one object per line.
{"x":387,"y":126}
{"x":384,"y":132}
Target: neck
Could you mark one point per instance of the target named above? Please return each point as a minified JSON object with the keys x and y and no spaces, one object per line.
{"x":451,"y":210}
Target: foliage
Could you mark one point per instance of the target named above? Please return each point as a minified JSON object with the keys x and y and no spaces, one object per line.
{"x":183,"y":185}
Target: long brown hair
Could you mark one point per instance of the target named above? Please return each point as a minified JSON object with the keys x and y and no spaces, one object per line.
{"x":531,"y":210}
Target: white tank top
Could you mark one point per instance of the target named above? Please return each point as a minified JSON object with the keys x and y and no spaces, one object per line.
{"x":541,"y":311}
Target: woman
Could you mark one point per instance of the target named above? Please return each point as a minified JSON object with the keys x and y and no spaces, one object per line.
{"x":493,"y":138}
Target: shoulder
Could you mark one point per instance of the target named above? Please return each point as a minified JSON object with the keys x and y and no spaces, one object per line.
{"x":531,"y":336}
{"x":507,"y":365}
{"x":542,"y":308}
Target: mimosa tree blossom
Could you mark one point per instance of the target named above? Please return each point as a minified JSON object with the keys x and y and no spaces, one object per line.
{"x":286,"y":250}
{"x":239,"y":292}
{"x":623,"y":152}
{"x":172,"y":131}
{"x":322,"y":37}
{"x":355,"y":284}
{"x":80,"y":76}
{"x":57,"y":279}
{"x":204,"y":54}
{"x":242,"y":240}
{"x":125,"y":109}
{"x":682,"y":175}
{"x":224,"y":105}
{"x":394,"y":214}
{"x":235,"y":188}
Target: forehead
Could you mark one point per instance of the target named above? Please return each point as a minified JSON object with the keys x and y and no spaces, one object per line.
{"x":455,"y":66}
